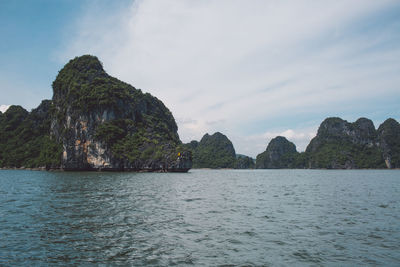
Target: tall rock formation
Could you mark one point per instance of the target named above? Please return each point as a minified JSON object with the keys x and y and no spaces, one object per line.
{"x":280,"y":153}
{"x":105,"y":124}
{"x":213,"y":151}
{"x":389,"y":142}
{"x":343,"y":145}
{"x":93,"y":122}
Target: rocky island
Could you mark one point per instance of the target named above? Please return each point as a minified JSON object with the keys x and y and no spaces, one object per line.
{"x":97,"y":122}
{"x":93,"y":122}
{"x":339,"y":145}
{"x":217,"y":151}
{"x":279,"y":154}
{"x":213,"y":151}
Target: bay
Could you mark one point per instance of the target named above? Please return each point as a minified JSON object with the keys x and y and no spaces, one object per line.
{"x":200,"y":218}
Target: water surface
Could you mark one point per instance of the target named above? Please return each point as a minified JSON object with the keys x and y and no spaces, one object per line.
{"x":201,"y":218}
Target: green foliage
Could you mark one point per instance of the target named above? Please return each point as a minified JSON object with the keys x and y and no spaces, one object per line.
{"x":142,"y":124}
{"x":111,"y":131}
{"x":389,"y":137}
{"x":333,"y":155}
{"x":244,"y":162}
{"x":84,"y":85}
{"x":142,"y":146}
{"x":279,"y":154}
{"x":25,"y":138}
{"x":213,"y":151}
{"x":284,"y":161}
{"x":340,"y":144}
{"x":301,"y":161}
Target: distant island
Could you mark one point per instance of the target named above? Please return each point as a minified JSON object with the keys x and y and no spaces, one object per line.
{"x":96,"y":122}
{"x":93,"y":122}
{"x":338,"y":145}
{"x":217,"y":151}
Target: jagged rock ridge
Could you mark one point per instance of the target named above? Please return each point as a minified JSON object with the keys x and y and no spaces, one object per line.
{"x":343,"y":145}
{"x":339,"y":145}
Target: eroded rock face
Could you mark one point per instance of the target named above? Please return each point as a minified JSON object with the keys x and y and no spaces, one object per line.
{"x":105,"y":124}
{"x":361,"y":132}
{"x":81,"y":149}
{"x":389,"y":142}
{"x":343,"y":145}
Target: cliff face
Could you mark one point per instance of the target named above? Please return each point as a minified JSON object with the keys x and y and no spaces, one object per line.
{"x":105,"y":124}
{"x":389,"y":142}
{"x":213,"y":151}
{"x":343,"y":145}
{"x":280,"y":153}
{"x":361,"y":132}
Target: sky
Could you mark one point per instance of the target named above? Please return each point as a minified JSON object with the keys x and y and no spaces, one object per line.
{"x":249,"y":69}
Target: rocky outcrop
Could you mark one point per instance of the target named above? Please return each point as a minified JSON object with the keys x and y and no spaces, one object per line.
{"x":389,"y":142}
{"x":343,"y":145}
{"x":24,"y":138}
{"x":105,"y":124}
{"x":213,"y":151}
{"x":339,"y":145}
{"x":244,"y":162}
{"x":280,"y":153}
{"x":93,"y":122}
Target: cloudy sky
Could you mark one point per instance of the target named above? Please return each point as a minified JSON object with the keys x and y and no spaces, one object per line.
{"x":249,"y":69}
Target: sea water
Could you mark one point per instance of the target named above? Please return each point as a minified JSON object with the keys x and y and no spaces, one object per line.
{"x":200,"y":218}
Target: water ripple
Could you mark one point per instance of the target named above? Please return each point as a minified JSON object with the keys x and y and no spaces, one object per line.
{"x":202,"y":218}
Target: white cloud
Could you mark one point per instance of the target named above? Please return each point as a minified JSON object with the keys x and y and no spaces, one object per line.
{"x":3,"y":108}
{"x":221,"y":65}
{"x":302,"y":138}
{"x":257,"y":143}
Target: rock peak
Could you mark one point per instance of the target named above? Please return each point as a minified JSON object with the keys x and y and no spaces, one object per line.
{"x":85,"y":63}
{"x":280,"y":153}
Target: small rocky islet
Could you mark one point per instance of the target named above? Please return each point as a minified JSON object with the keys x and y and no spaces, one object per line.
{"x":96,"y":122}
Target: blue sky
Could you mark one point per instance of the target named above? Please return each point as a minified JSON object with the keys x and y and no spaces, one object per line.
{"x":31,"y":32}
{"x":250,"y":69}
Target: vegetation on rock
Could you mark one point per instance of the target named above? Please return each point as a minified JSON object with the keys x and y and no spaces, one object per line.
{"x":94,"y":121}
{"x":213,"y":151}
{"x":244,"y":162}
{"x":25,"y":138}
{"x":339,"y":145}
{"x":280,"y":153}
{"x":343,"y":145}
{"x":217,"y":151}
{"x":104,"y":123}
{"x":389,"y":142}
